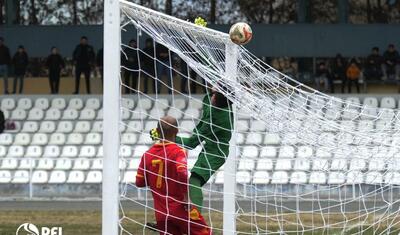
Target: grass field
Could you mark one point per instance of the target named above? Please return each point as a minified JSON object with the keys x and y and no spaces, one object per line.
{"x":89,"y":223}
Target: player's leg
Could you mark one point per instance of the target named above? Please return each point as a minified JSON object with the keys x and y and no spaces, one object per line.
{"x":198,"y":225}
{"x":87,"y":79}
{"x":196,"y":183}
{"x":78,"y":73}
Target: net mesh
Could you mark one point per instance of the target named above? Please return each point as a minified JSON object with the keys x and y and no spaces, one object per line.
{"x":307,"y":163}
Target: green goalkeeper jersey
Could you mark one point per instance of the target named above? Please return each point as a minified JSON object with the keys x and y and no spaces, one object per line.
{"x":215,"y":129}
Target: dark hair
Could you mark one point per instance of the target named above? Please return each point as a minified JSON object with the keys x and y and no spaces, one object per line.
{"x":391,"y":45}
{"x":322,"y":63}
{"x":20,"y":47}
{"x":84,"y":37}
{"x":338,"y":55}
{"x":52,"y":48}
{"x":353,"y":60}
{"x":375,"y":48}
{"x":132,"y":40}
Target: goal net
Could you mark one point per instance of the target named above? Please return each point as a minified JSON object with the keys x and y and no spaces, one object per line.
{"x":303,"y":162}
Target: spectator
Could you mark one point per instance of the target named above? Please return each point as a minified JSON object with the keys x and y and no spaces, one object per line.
{"x":99,"y":62}
{"x":147,"y":65}
{"x":322,"y":76}
{"x":5,"y":61}
{"x":338,"y":69}
{"x":20,"y":62}
{"x":55,"y":63}
{"x":188,"y":79}
{"x":83,"y":58}
{"x":373,"y":65}
{"x":353,"y":73}
{"x":390,"y":66}
{"x":130,"y":62}
{"x":163,"y":67}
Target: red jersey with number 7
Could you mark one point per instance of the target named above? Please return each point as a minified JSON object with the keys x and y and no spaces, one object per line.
{"x":164,"y":169}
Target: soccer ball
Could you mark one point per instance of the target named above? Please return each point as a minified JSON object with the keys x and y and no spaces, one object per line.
{"x":240,"y":33}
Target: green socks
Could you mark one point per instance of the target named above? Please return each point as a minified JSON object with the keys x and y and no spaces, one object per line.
{"x":195,"y":192}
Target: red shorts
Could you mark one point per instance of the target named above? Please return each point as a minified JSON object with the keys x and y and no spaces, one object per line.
{"x":180,"y":226}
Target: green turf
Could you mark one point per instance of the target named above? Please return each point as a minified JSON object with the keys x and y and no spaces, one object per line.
{"x":89,"y":223}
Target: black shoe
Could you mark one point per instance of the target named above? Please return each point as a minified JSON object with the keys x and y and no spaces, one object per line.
{"x":152,"y":226}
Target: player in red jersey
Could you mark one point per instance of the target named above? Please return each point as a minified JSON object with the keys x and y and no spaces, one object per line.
{"x":164,"y":169}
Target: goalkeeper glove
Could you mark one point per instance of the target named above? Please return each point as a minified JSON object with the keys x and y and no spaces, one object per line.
{"x":154,"y":135}
{"x":200,"y":21}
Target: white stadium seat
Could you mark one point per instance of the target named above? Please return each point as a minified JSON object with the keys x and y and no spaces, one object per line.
{"x":75,"y":103}
{"x":175,"y":112}
{"x":219,"y":177}
{"x":301,"y":164}
{"x":139,"y":150}
{"x":134,"y":126}
{"x":45,"y":164}
{"x":30,"y":127}
{"x":298,"y":177}
{"x":5,"y":177}
{"x":22,"y":139}
{"x":97,"y":164}
{"x":280,"y":177}
{"x":7,"y":104}
{"x":283,"y":164}
{"x":269,"y":152}
{"x":357,"y":164}
{"x":18,"y":114}
{"x":21,"y":177}
{"x":144,"y":138}
{"x":139,"y":114}
{"x":94,"y":177}
{"x":376,"y":164}
{"x":82,"y":127}
{"x":15,"y":151}
{"x":323,"y":153}
{"x":3,"y":151}
{"x":93,"y":103}
{"x":69,"y":151}
{"x":373,"y":177}
{"x":87,"y":114}
{"x":63,"y":164}
{"x":145,"y":103}
{"x":250,"y":152}
{"x":26,"y":164}
{"x":70,"y":114}
{"x":93,"y":139}
{"x":254,"y":138}
{"x":336,"y":178}
{"x":9,"y":164}
{"x":261,"y":177}
{"x":243,"y":177}
{"x":127,"y":103}
{"x":133,"y":164}
{"x":355,"y":177}
{"x":317,"y":178}
{"x":370,"y":102}
{"x":272,"y":139}
{"x":365,"y":125}
{"x":320,"y":165}
{"x":179,"y":103}
{"x":53,"y":114}
{"x":339,"y":164}
{"x":39,"y":139}
{"x":33,"y":151}
{"x":57,"y":177}
{"x":99,"y":114}
{"x":286,"y":152}
{"x":257,"y":126}
{"x":125,"y":114}
{"x":129,"y":138}
{"x":350,"y":113}
{"x":6,"y":139}
{"x":99,"y":152}
{"x":265,"y":164}
{"x":129,"y":177}
{"x":39,"y":177}
{"x":76,"y":177}
{"x":81,"y":164}
{"x":35,"y":114}
{"x":150,"y":125}
{"x":58,"y":103}
{"x":42,"y":103}
{"x":97,"y":126}
{"x":195,"y":103}
{"x":65,"y":127}
{"x":162,"y":103}
{"x":87,"y":151}
{"x":51,"y":151}
{"x":246,"y":164}
{"x":24,"y":103}
{"x":74,"y":139}
{"x":390,"y":178}
{"x":125,"y":151}
{"x":156,"y":113}
{"x":187,"y":126}
{"x":388,"y":103}
{"x":304,"y":152}
{"x":192,"y":113}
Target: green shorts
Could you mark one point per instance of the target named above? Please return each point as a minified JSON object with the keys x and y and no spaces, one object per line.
{"x":207,"y":164}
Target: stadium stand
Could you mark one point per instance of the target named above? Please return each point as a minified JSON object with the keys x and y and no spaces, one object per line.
{"x":57,"y":140}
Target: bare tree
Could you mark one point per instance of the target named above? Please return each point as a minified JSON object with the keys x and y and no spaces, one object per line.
{"x":264,"y":11}
{"x":33,"y":16}
{"x":168,"y":7}
{"x":213,"y":11}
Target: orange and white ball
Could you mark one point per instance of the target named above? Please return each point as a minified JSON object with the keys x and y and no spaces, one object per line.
{"x":240,"y":33}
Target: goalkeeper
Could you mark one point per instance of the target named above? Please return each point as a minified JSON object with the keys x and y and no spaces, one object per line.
{"x":214,"y":133}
